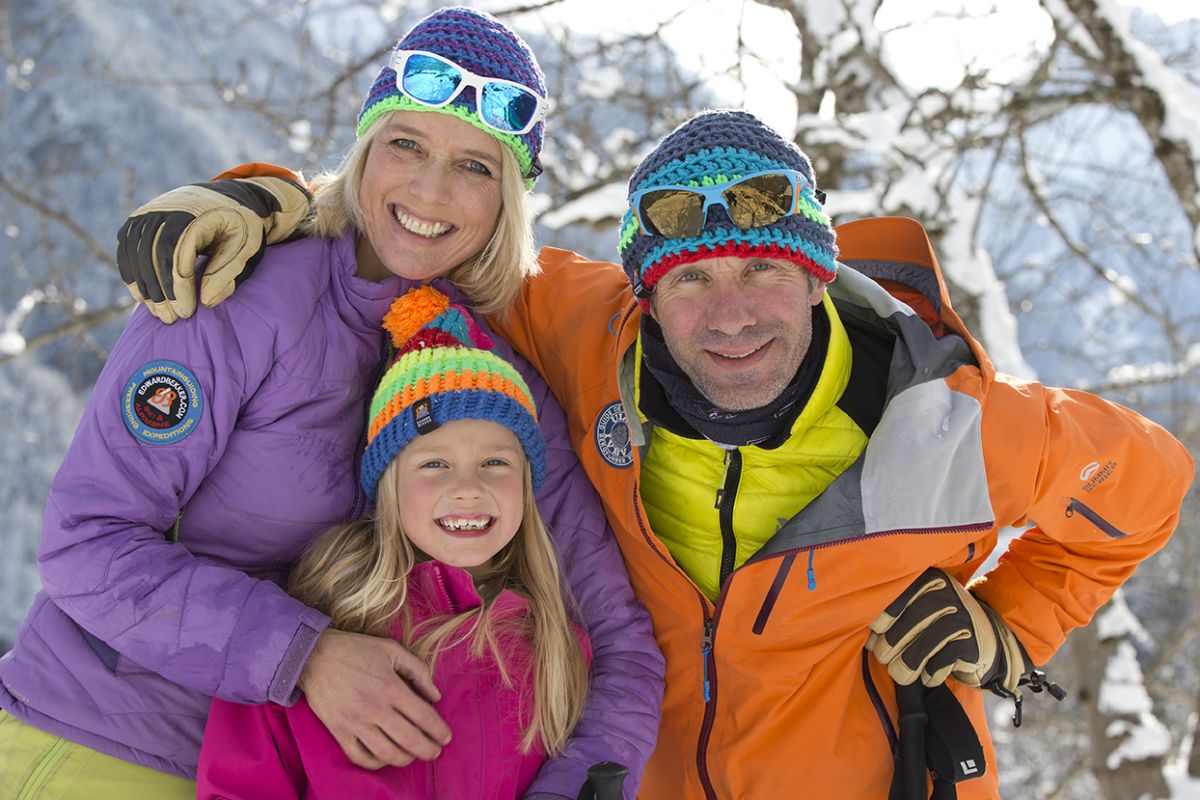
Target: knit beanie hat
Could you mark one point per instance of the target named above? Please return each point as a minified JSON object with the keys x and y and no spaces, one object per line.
{"x":476,"y":41}
{"x":444,"y":370}
{"x":716,"y":147}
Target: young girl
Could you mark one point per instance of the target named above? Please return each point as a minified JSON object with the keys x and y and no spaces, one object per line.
{"x":456,"y":564}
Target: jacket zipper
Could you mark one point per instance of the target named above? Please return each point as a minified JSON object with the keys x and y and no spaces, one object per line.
{"x":45,"y":767}
{"x":709,"y":682}
{"x":1091,"y":516}
{"x":726,"y":496}
{"x":360,"y":497}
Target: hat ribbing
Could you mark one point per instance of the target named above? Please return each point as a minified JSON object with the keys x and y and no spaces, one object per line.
{"x":482,"y":44}
{"x":444,"y":370}
{"x":716,"y":147}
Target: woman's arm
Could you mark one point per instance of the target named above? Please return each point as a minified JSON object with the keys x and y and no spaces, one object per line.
{"x":107,"y":556}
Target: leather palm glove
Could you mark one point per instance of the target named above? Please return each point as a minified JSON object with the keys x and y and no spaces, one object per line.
{"x":232,"y":221}
{"x":936,"y":628}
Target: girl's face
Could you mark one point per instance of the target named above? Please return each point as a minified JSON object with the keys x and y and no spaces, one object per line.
{"x":430,"y":196}
{"x":461,"y":491}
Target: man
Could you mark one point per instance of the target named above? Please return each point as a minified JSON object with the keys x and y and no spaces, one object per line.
{"x":803,"y":472}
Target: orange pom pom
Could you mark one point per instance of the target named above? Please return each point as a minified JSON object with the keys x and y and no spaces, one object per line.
{"x":413,"y":310}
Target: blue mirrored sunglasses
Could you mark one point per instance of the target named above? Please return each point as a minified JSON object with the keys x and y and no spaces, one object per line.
{"x":434,"y":81}
{"x":753,"y":200}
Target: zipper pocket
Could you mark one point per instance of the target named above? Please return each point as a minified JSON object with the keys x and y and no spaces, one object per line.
{"x":1106,"y":527}
{"x":44,"y":769}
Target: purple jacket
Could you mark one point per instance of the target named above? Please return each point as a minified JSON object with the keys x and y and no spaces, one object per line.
{"x":210,"y":454}
{"x":285,"y":753}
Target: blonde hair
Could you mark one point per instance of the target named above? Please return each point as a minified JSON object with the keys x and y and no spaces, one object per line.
{"x":357,"y":573}
{"x":492,"y":278}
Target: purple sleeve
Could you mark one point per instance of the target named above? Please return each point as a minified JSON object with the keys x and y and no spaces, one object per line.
{"x":106,"y":556}
{"x":620,"y":721}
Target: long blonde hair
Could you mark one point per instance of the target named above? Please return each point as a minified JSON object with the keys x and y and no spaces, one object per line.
{"x":492,"y":278}
{"x":357,"y":573}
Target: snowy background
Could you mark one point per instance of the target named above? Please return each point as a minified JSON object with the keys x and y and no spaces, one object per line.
{"x":1052,"y":149}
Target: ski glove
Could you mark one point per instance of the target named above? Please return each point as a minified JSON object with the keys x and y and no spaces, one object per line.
{"x":231,"y":220}
{"x":936,"y":628}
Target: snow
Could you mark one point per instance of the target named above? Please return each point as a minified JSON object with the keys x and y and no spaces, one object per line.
{"x":1122,"y":691}
{"x":1146,"y":738}
{"x":601,"y":205}
{"x":1116,"y":621}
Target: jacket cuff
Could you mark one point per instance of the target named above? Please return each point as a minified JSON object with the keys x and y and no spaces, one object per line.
{"x":283,"y":687}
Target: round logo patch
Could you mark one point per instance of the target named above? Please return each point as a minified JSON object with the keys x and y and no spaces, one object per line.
{"x":161,"y":403}
{"x":612,"y":436}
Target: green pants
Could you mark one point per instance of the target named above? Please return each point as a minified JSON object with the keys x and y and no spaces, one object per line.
{"x":35,"y":765}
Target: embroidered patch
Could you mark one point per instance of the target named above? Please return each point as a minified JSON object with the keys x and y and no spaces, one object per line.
{"x":612,"y":436}
{"x":161,"y":403}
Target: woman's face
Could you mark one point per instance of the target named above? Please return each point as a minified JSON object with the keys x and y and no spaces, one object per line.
{"x":430,"y":196}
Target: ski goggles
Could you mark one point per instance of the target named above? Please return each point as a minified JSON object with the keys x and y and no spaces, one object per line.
{"x":434,"y":81}
{"x":751,"y":201}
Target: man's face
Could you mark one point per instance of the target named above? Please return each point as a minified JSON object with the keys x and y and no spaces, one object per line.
{"x":739,"y":327}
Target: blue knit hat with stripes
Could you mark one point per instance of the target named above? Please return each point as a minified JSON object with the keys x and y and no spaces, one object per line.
{"x":716,"y":147}
{"x":482,"y":44}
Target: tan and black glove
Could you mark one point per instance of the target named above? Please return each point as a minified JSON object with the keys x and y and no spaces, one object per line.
{"x":231,"y":221}
{"x":936,"y":628}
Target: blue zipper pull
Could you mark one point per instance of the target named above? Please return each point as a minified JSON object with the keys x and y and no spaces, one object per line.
{"x":705,"y":649}
{"x":812,"y":573}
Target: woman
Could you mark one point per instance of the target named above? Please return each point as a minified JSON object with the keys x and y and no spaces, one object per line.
{"x":212,"y":453}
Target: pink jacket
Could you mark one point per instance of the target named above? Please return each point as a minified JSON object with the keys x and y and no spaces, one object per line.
{"x":250,"y":752}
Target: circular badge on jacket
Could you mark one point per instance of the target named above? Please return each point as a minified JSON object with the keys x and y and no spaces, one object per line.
{"x":612,"y":436}
{"x":161,"y":403}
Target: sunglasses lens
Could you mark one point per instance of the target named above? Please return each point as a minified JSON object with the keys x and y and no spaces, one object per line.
{"x":507,"y":107}
{"x":672,"y":212}
{"x":759,"y":201}
{"x":430,"y":80}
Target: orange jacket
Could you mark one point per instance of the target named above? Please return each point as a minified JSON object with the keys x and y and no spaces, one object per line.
{"x":769,"y":691}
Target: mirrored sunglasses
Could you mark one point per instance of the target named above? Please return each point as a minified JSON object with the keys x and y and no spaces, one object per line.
{"x":753,"y":200}
{"x":434,"y":81}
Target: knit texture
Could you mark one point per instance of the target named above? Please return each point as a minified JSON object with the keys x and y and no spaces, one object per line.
{"x":482,"y":44}
{"x":444,"y":370}
{"x":716,"y":147}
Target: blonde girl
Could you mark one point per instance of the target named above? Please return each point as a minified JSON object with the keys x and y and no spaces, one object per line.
{"x":456,"y":564}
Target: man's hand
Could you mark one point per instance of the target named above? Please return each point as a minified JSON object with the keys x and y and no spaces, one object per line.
{"x":374,"y":697}
{"x":936,"y":628}
{"x":230,"y":220}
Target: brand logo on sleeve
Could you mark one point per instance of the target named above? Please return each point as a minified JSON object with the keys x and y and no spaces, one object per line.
{"x":1096,"y":473}
{"x":162,"y":403}
{"x":612,"y":436}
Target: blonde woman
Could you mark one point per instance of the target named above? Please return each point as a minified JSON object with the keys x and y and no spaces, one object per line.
{"x":213,"y":452}
{"x":455,"y":563}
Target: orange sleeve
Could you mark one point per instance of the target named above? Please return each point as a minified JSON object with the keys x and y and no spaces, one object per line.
{"x":260,"y":169}
{"x":565,"y":321}
{"x":1101,"y":488}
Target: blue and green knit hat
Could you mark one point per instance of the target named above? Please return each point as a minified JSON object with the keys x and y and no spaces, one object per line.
{"x":717,"y":147}
{"x":482,"y":44}
{"x":444,"y":370}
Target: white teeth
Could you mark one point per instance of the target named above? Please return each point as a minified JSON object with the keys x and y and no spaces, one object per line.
{"x":743,"y":355}
{"x":429,"y":230}
{"x":461,"y":524}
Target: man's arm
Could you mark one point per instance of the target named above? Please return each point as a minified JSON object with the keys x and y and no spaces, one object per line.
{"x":1102,"y":488}
{"x":231,"y":219}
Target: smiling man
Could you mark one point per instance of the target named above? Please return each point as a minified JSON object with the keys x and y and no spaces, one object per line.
{"x":804,"y":473}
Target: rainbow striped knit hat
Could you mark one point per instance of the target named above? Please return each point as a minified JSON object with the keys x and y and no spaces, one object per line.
{"x":482,"y":44}
{"x":716,"y":147}
{"x":444,"y":370}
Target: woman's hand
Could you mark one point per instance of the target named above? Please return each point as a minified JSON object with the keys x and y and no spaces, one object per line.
{"x":375,"y":698}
